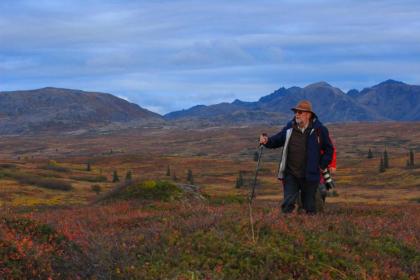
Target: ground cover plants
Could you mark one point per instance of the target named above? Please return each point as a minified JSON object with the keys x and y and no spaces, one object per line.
{"x":161,"y":240}
{"x":154,"y":224}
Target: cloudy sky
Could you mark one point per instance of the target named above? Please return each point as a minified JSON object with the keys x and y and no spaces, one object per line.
{"x":171,"y":55}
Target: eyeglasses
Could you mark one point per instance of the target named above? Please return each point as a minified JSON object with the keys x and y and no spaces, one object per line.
{"x":298,"y":112}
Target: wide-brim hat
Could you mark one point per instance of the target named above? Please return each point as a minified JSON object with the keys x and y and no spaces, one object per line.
{"x":303,"y":105}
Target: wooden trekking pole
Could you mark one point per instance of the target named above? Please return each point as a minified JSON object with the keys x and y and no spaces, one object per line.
{"x":252,"y":192}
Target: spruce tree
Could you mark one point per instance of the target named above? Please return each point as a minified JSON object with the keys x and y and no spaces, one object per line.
{"x":370,"y":154}
{"x":411,"y":158}
{"x":386,"y":163}
{"x":239,"y":180}
{"x":88,"y":166}
{"x":129,"y":176}
{"x":381,"y":166}
{"x":190,"y":178}
{"x":168,"y":171}
{"x":115,"y":177}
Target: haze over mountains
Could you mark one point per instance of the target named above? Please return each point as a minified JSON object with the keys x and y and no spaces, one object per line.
{"x":56,"y":109}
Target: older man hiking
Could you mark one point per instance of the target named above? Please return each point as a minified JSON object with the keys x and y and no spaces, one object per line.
{"x":302,"y":140}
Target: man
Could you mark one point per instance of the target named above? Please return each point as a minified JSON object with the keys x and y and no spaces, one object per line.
{"x":302,"y":139}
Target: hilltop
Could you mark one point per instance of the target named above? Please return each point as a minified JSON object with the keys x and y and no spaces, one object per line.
{"x":57,"y":109}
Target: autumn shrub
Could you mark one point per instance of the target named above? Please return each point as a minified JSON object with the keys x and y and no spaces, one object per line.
{"x":31,"y":250}
{"x":130,"y":239}
{"x":296,"y":247}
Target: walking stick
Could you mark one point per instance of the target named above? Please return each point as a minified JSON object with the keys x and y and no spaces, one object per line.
{"x":252,"y":193}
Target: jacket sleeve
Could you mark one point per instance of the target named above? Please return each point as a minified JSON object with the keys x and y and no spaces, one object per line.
{"x":333,"y":162}
{"x":327,"y":147}
{"x":277,"y":140}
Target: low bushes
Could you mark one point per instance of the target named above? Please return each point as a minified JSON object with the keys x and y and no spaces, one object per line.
{"x":57,"y":168}
{"x":31,"y":179}
{"x":31,"y":250}
{"x":150,"y":189}
{"x":143,"y":190}
{"x":54,"y":166}
{"x":227,"y":199}
{"x":92,"y":179}
{"x":176,"y":240}
{"x":47,"y":183}
{"x":7,"y":165}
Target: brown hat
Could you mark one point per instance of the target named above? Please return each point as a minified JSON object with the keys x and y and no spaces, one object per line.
{"x":303,"y":105}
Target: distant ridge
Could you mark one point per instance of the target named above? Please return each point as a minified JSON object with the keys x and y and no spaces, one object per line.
{"x":62,"y":109}
{"x":392,"y":99}
{"x":388,"y":101}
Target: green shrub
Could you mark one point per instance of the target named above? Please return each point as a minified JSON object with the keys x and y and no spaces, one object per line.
{"x":57,"y":168}
{"x":227,"y":199}
{"x":31,"y":179}
{"x":129,"y":175}
{"x":333,"y":193}
{"x":417,"y":199}
{"x":53,"y":184}
{"x":7,"y":165}
{"x":115,"y":177}
{"x":96,"y":188}
{"x":92,"y":179}
{"x":150,"y":189}
{"x":54,"y":166}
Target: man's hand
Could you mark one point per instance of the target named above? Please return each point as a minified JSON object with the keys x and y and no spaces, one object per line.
{"x":263,"y":139}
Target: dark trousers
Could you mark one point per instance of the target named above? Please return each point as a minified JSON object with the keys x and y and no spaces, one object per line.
{"x":291,"y":187}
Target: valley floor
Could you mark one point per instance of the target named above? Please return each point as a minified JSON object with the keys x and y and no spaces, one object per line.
{"x":50,"y":226}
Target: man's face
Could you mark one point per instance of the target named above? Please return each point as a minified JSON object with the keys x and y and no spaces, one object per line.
{"x":302,"y":117}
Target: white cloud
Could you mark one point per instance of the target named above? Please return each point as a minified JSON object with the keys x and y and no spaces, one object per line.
{"x":155,"y":52}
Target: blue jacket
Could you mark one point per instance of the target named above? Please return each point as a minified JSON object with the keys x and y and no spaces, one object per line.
{"x":318,"y":139}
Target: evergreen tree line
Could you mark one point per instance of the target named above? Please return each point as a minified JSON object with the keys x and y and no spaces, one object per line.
{"x":116,"y":177}
{"x":384,"y":160}
{"x":384,"y":163}
{"x":172,"y":174}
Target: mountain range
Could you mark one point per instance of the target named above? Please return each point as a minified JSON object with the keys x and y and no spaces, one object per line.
{"x":388,"y":101}
{"x":55,"y":109}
